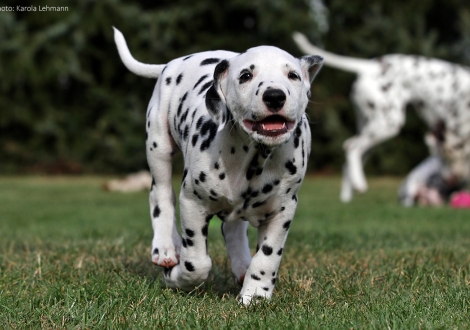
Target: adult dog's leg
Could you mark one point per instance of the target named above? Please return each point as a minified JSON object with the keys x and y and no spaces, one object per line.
{"x":238,"y":249}
{"x":346,"y":186}
{"x":383,"y":126}
{"x":195,"y":263}
{"x":160,"y":145}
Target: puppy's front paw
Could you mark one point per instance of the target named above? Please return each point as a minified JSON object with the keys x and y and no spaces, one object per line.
{"x":164,"y":255}
{"x":248,"y":296}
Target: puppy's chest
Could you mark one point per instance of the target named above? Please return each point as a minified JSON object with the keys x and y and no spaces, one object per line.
{"x":242,"y":184}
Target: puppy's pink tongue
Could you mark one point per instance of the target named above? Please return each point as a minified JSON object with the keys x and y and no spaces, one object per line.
{"x":271,"y":126}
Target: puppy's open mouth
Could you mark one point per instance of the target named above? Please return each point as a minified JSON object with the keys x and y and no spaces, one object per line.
{"x":270,"y":126}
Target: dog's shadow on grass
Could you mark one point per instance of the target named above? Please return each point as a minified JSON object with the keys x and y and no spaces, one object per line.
{"x":220,"y":281}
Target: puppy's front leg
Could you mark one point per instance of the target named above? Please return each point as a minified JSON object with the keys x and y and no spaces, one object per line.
{"x":262,"y":273}
{"x":195,"y":263}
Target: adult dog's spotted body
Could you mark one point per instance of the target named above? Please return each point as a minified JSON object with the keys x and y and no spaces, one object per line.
{"x":240,"y":122}
{"x":439,"y":90}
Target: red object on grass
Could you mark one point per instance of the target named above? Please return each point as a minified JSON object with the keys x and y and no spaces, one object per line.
{"x":460,"y":200}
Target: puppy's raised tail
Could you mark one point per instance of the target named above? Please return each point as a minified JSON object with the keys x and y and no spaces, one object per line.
{"x":139,"y":68}
{"x":345,"y":63}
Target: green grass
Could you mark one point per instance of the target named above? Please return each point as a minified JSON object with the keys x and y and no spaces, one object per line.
{"x":74,"y":256}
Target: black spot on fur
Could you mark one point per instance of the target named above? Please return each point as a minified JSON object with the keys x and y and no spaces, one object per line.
{"x":253,"y":168}
{"x":186,"y":133}
{"x":297,"y":134}
{"x":189,"y":242}
{"x":155,"y":251}
{"x":258,"y":204}
{"x":205,"y":230}
{"x":202,"y":176}
{"x":183,"y":241}
{"x":168,"y":80}
{"x":267,"y":250}
{"x":213,"y":199}
{"x":286,"y":225}
{"x":279,"y":253}
{"x":222,"y":176}
{"x":246,"y":203}
{"x":208,"y":61}
{"x":205,"y":87}
{"x":180,"y":107}
{"x":212,"y":128}
{"x":216,"y":165}
{"x":245,"y":148}
{"x":200,"y":80}
{"x":256,"y":278}
{"x":267,"y":188}
{"x":187,"y":57}
{"x":262,"y":272}
{"x":178,"y":79}
{"x":189,"y":266}
{"x":232,"y":150}
{"x":291,"y":167}
{"x":194,"y":139}
{"x":273,"y":281}
{"x":156,"y":212}
{"x":199,"y":122}
{"x":190,"y":233}
{"x":266,"y":289}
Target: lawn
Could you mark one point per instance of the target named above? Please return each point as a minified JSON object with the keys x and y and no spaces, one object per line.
{"x":74,"y":256}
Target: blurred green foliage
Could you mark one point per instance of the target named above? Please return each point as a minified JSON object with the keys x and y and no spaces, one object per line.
{"x":68,"y":105}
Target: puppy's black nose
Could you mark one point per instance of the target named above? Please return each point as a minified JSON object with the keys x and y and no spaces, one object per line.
{"x":274,"y":99}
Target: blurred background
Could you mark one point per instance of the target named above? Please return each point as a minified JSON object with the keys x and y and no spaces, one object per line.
{"x":69,"y":106}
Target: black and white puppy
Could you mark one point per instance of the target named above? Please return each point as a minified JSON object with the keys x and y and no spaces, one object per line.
{"x":240,"y":121}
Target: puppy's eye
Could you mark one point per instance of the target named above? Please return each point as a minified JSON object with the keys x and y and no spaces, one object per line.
{"x":244,"y":77}
{"x":293,"y":76}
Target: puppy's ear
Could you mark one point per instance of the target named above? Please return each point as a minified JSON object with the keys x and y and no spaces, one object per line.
{"x":216,"y":102}
{"x":310,"y":66}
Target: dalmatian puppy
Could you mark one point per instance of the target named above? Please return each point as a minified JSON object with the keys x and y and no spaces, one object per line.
{"x":438,"y":90}
{"x":240,"y":121}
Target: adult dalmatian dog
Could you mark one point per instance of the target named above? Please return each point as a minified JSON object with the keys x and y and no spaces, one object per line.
{"x":440,"y":91}
{"x":240,"y":121}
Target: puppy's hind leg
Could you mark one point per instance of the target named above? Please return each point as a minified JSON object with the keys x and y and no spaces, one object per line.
{"x":238,"y":250}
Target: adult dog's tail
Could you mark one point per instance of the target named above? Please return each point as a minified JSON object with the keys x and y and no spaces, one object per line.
{"x":350,"y":64}
{"x":139,"y":68}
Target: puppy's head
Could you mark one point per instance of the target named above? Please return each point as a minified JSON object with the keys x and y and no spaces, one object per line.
{"x":265,"y":91}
